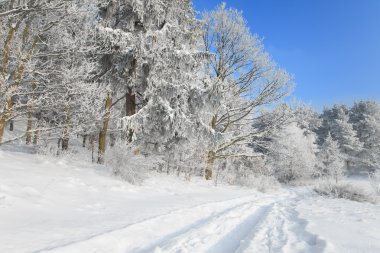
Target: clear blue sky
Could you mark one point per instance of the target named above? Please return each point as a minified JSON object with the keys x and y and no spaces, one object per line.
{"x":332,"y":47}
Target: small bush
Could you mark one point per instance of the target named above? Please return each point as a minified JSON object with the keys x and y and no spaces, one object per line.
{"x":343,"y":191}
{"x":125,"y":164}
{"x":50,"y":149}
{"x":129,"y":164}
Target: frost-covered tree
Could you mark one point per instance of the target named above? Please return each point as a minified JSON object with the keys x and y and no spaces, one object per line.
{"x":44,"y":44}
{"x":245,"y":80}
{"x":292,"y":153}
{"x":343,"y":132}
{"x":365,"y":117}
{"x":69,"y":99}
{"x":328,"y":116}
{"x":174,"y":92}
{"x":154,"y":64}
{"x":330,"y":158}
{"x":307,"y":119}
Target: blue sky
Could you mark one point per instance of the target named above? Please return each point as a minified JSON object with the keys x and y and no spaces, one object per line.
{"x":332,"y":47}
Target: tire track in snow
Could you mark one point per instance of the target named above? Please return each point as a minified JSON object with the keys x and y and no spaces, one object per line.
{"x":198,"y":238}
{"x":282,"y":231}
{"x":149,"y":228}
{"x":232,"y":241}
{"x":242,"y":225}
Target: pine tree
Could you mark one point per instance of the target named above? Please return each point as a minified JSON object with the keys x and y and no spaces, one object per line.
{"x":331,"y":162}
{"x":343,"y":132}
{"x":365,"y":117}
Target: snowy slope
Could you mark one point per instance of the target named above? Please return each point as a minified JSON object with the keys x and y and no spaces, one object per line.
{"x":50,"y":205}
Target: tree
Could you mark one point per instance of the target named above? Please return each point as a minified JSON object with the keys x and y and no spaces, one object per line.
{"x":331,"y":162}
{"x":292,"y":153}
{"x":155,"y":65}
{"x":245,"y":80}
{"x":365,"y":117}
{"x":343,"y":132}
{"x":43,"y":59}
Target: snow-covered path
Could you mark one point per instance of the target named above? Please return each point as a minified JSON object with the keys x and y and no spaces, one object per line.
{"x":248,"y":224}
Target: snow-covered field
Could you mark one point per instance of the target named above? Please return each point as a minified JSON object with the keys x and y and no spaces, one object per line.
{"x":52,"y":205}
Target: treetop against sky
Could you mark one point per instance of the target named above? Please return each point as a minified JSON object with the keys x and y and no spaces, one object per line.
{"x":332,"y":47}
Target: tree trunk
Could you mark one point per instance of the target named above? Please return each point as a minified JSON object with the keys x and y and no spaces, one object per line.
{"x":5,"y":117}
{"x":29,"y":123}
{"x":112,"y":140}
{"x":36,"y":137}
{"x":210,"y":165}
{"x":65,"y":143}
{"x":211,"y":154}
{"x":130,"y":103}
{"x":213,"y":121}
{"x":66,"y":130}
{"x":92,"y":142}
{"x":11,"y":125}
{"x":84,"y":140}
{"x":103,"y":132}
{"x":130,"y":109}
{"x":6,"y":49}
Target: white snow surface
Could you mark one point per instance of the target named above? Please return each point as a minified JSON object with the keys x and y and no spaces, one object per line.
{"x":57,"y":205}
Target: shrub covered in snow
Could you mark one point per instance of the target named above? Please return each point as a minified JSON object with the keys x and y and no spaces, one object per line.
{"x":261,"y":183}
{"x":343,"y":191}
{"x":50,"y":149}
{"x":128,"y":163}
{"x":252,"y":173}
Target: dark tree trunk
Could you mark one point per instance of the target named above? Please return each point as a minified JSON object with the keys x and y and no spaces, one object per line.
{"x":103,"y":132}
{"x":11,"y":125}
{"x":65,"y":143}
{"x":130,"y":103}
{"x":84,"y":140}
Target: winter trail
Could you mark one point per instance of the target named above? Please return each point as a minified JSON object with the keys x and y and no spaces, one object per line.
{"x":242,"y":225}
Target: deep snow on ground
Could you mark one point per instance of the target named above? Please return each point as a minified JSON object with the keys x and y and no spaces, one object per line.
{"x":58,"y":205}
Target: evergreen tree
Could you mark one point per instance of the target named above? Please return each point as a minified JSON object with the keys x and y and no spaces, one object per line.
{"x":331,"y":162}
{"x":365,"y":117}
{"x":343,"y":132}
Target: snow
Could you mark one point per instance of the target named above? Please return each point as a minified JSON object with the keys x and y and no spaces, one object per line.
{"x":61,"y":205}
{"x":347,"y":226}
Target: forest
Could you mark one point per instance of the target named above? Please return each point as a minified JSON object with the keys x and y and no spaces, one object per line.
{"x":192,"y":93}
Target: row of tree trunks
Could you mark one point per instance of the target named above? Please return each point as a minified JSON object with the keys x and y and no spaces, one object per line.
{"x":3,"y":69}
{"x":130,"y":108}
{"x":19,"y":73}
